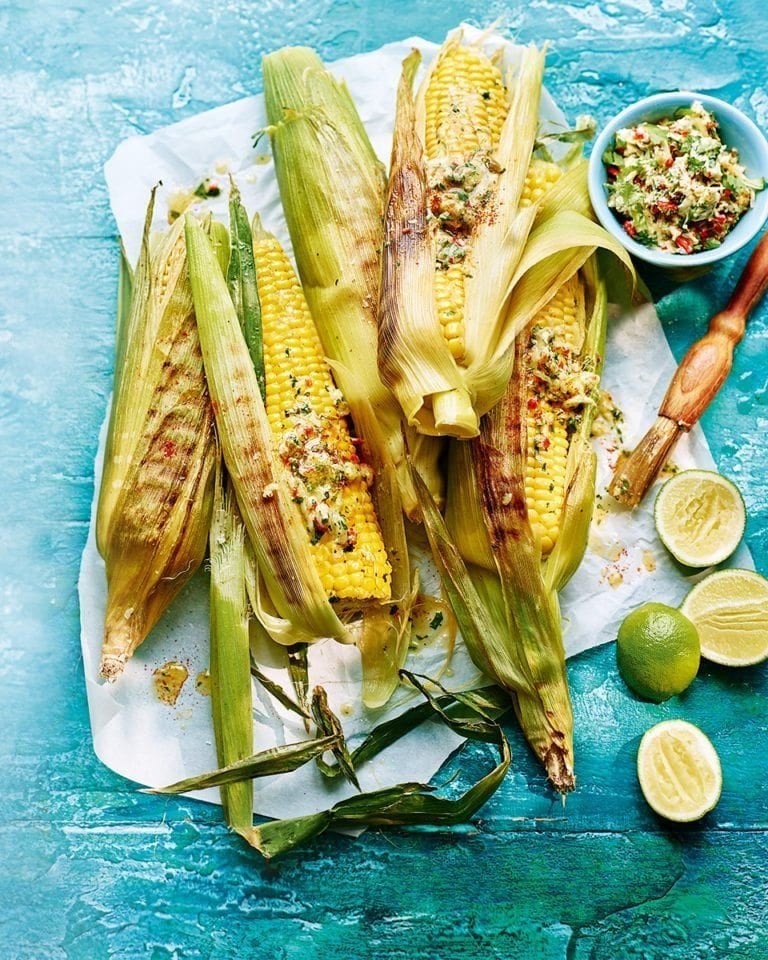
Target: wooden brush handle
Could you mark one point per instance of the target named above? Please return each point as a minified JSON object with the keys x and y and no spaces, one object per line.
{"x":708,"y":362}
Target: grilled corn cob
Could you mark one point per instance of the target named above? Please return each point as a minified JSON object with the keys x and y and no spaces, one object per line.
{"x":308,"y":418}
{"x":296,"y":607}
{"x":156,"y":490}
{"x":479,"y":234}
{"x":332,"y":188}
{"x":557,"y":387}
{"x":465,"y":106}
{"x":460,"y":154}
{"x":520,"y":498}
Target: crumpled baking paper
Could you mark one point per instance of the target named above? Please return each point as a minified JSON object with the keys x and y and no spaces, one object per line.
{"x":146,"y":740}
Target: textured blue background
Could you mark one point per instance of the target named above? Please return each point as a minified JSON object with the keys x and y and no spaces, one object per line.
{"x":91,"y":869}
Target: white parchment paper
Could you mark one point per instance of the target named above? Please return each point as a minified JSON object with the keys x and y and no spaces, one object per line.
{"x":149,"y":742}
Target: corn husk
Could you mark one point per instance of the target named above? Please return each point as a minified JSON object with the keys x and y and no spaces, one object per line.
{"x":155,"y":497}
{"x":332,"y":187}
{"x":303,"y":613}
{"x":473,"y":714}
{"x":231,"y":697}
{"x":557,"y":248}
{"x":243,"y":285}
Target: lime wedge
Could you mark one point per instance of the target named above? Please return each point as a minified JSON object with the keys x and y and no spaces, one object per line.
{"x":729,"y":609}
{"x":700,"y":517}
{"x":679,"y":771}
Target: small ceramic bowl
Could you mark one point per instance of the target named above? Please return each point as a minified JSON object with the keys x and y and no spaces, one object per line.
{"x":736,"y":130}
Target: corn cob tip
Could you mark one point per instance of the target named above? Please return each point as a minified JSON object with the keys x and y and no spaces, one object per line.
{"x":111,"y":667}
{"x":123,"y":634}
{"x":557,"y":763}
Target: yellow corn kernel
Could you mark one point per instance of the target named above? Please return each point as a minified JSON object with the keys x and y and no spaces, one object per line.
{"x":542,"y":174}
{"x":307,"y":416}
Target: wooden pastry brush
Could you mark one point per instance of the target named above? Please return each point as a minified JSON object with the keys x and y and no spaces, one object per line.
{"x":700,"y":375}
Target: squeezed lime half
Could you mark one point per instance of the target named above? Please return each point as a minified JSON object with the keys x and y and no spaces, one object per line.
{"x":700,"y":517}
{"x":729,"y":609}
{"x":679,"y":771}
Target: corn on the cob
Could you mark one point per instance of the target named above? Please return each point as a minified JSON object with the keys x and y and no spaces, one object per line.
{"x":465,"y":106}
{"x":231,"y":695}
{"x":460,"y":154}
{"x":520,"y":499}
{"x":302,"y":612}
{"x":557,"y":386}
{"x":332,"y":188}
{"x":466,"y":192}
{"x":307,"y":415}
{"x":156,"y":490}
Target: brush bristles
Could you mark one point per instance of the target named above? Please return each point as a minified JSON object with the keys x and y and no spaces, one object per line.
{"x":634,"y":475}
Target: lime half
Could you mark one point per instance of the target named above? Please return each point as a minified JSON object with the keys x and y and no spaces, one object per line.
{"x":700,"y":517}
{"x":679,"y":771}
{"x":730,"y":611}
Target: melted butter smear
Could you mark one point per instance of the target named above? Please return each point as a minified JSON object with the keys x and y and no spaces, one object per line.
{"x":168,"y":681}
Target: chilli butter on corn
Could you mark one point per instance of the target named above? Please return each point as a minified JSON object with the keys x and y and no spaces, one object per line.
{"x":481,"y":228}
{"x":308,"y":417}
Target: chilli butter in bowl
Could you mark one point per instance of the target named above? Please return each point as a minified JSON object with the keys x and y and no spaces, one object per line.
{"x":679,"y":179}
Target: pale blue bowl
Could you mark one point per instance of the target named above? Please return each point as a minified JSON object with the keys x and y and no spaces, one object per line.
{"x":736,"y":130}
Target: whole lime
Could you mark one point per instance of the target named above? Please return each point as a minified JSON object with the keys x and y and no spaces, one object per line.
{"x":657,"y":651}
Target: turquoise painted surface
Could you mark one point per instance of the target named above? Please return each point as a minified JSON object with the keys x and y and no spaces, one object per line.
{"x":92,"y":869}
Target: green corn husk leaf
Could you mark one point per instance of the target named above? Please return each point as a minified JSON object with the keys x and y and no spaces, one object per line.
{"x":485,"y":634}
{"x":414,"y":358}
{"x":483,"y":727}
{"x":275,"y":690}
{"x":298,"y":671}
{"x":266,"y":763}
{"x":124,"y":297}
{"x":332,"y":187}
{"x":329,"y":725}
{"x":296,"y":656}
{"x":243,"y":285}
{"x":156,"y":492}
{"x":491,"y":702}
{"x":405,"y":804}
{"x":219,"y":237}
{"x":387,"y":733}
{"x":231,"y":696}
{"x":274,"y":526}
{"x":463,"y":511}
{"x":137,"y":320}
